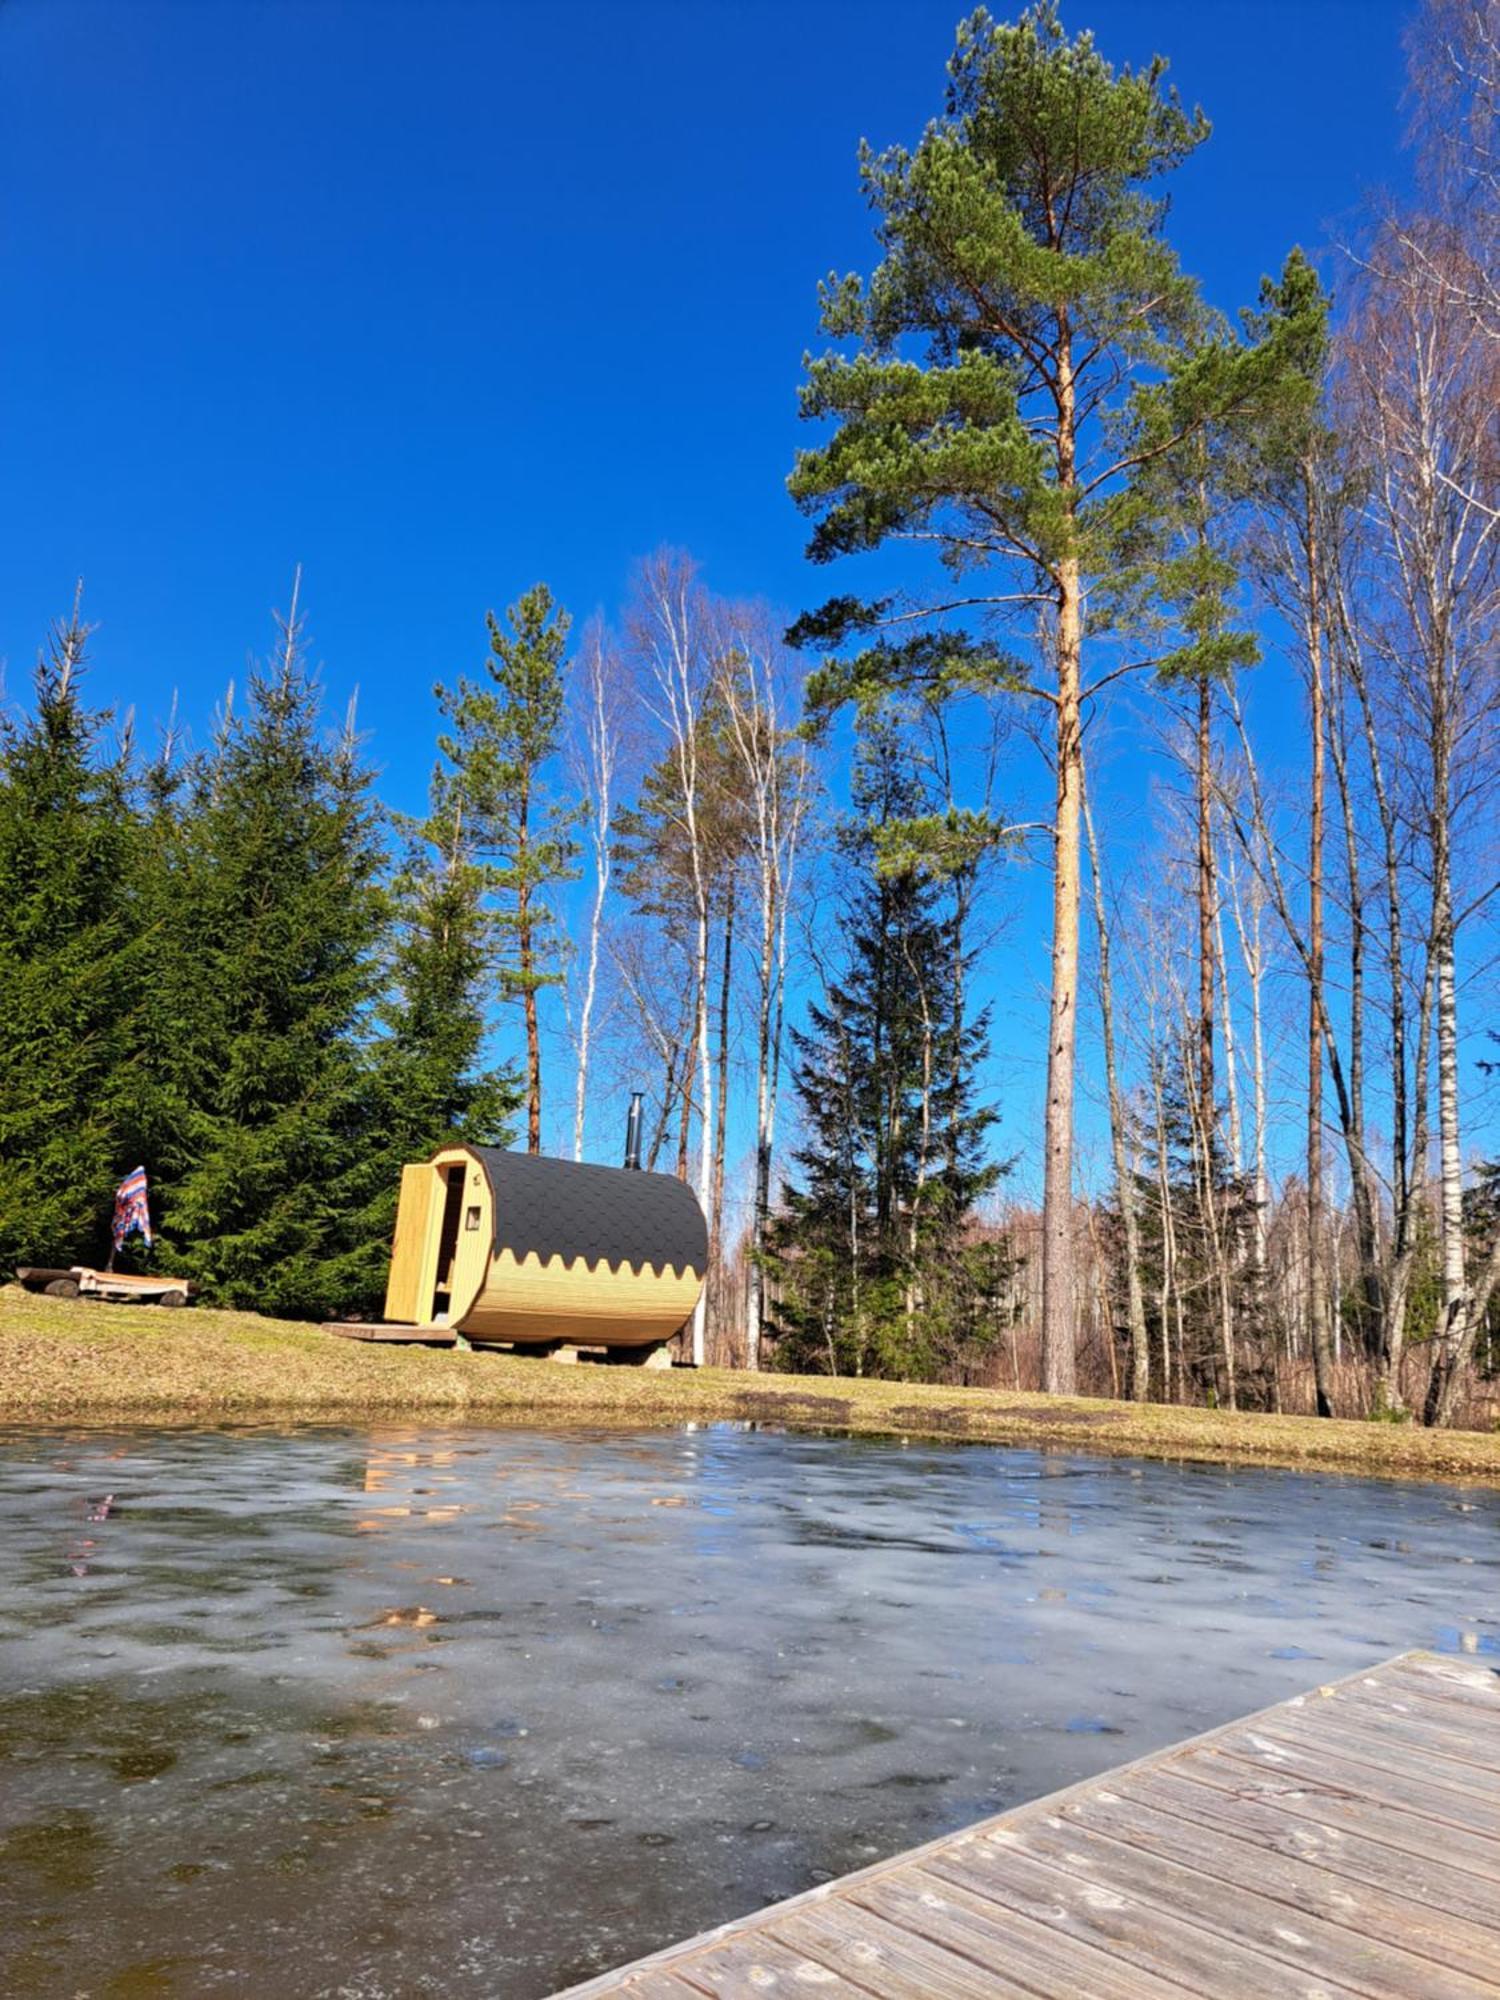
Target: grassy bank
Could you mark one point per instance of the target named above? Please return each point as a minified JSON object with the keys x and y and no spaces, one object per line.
{"x":78,"y":1364}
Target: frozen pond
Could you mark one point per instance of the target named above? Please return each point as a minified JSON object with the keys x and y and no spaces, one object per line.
{"x":477,"y":1712}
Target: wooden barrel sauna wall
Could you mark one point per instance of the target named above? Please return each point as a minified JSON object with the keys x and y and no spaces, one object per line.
{"x":510,"y":1247}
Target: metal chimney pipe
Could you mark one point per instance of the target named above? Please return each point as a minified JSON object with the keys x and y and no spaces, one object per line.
{"x":633,"y":1133}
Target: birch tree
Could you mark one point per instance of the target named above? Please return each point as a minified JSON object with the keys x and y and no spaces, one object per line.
{"x":1453,"y":69}
{"x":760,"y":702}
{"x":1427,"y":384}
{"x":1119,"y":1136}
{"x":671,"y":629}
{"x":1293,"y":480}
{"x":597,"y":703}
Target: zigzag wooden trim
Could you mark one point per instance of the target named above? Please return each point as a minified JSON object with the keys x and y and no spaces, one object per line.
{"x":556,"y":1264}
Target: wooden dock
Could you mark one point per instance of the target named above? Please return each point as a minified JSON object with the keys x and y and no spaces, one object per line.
{"x":1346,"y":1842}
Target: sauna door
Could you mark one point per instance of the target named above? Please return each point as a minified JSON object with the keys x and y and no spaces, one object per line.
{"x":408,"y":1291}
{"x":453,"y":1202}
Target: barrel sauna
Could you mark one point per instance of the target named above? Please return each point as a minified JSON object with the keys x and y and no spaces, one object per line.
{"x":514,"y":1248}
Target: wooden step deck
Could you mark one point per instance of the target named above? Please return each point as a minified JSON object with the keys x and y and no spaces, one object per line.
{"x":1346,"y":1842}
{"x":392,"y":1330}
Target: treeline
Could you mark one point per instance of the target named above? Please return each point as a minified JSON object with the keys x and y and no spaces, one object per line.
{"x":1115,"y":487}
{"x":754,"y":873}
{"x":234,"y":968}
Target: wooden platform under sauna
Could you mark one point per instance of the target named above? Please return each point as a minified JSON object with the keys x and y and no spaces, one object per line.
{"x":1344,"y":1843}
{"x":540,"y":1255}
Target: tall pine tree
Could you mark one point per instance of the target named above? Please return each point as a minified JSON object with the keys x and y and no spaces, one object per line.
{"x":990,"y":410}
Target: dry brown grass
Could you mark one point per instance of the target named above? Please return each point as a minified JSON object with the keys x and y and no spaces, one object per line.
{"x":73,"y":1363}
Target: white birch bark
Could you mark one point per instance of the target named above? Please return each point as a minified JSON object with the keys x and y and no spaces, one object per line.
{"x":775,"y":773}
{"x":671,"y":625}
{"x":598,"y":753}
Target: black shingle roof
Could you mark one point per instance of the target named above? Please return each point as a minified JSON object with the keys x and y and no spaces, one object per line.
{"x":567,"y":1209}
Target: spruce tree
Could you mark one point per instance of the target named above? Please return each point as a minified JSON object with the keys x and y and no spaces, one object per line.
{"x":428,"y":1083}
{"x":71,"y":961}
{"x":878,"y":1267}
{"x":433,"y":1082}
{"x":170,"y":988}
{"x":276,"y":925}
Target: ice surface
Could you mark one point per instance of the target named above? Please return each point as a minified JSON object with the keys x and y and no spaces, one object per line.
{"x":469,"y":1712}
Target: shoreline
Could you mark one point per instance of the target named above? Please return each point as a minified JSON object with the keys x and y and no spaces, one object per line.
{"x":71,"y":1366}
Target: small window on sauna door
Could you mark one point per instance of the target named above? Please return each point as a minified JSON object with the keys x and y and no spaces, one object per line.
{"x":442,"y":1294}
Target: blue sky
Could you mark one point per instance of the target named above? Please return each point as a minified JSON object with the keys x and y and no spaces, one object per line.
{"x":439,"y":299}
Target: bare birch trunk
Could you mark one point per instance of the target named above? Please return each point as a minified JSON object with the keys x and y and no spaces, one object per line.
{"x":1206,"y":908}
{"x":1125,"y":1191}
{"x":716,"y":1214}
{"x":668,"y":1100}
{"x":755,"y":1307}
{"x":772,"y":1094}
{"x":1409,"y":1219}
{"x":1454,"y":1331}
{"x":1167,"y":1289}
{"x":1253,"y":958}
{"x":1405,"y":1170}
{"x":1366,"y":1225}
{"x":1231,"y":1052}
{"x":774,"y":769}
{"x":667,"y":1038}
{"x":1217,"y":1247}
{"x":705,"y":1115}
{"x":599,"y":753}
{"x":671,"y":621}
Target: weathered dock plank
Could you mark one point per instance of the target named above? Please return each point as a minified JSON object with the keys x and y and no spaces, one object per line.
{"x":1343,"y":1843}
{"x":1333,"y":1813}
